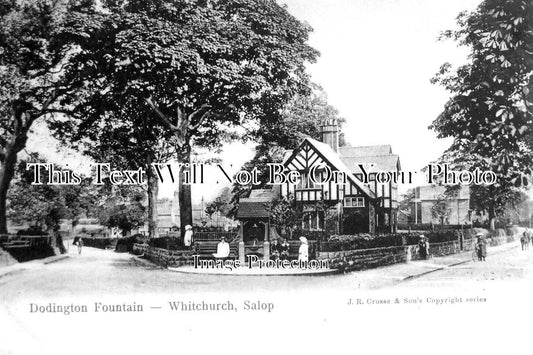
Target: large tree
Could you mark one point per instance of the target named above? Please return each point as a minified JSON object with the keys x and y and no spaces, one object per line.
{"x":31,"y":59}
{"x":489,"y":115}
{"x":201,"y":67}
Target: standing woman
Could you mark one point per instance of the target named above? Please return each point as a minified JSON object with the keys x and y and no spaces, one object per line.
{"x":481,"y":247}
{"x":303,"y":252}
{"x":187,"y":239}
{"x":423,"y":247}
{"x":80,"y":244}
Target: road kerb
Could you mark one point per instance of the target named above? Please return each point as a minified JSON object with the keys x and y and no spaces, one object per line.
{"x":410,"y":277}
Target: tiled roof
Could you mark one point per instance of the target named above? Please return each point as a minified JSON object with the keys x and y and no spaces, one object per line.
{"x":381,"y":163}
{"x":338,"y":164}
{"x":362,"y":151}
{"x":262,"y":195}
{"x":252,"y":209}
{"x":256,"y":205}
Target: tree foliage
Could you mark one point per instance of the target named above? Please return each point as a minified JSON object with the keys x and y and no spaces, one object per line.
{"x":45,"y":205}
{"x":196,"y":72}
{"x":489,"y":115}
{"x":31,"y":58}
{"x":222,"y":203}
{"x":124,"y":210}
{"x":441,"y":209}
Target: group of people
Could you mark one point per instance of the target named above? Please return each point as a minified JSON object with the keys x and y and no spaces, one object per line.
{"x":279,"y":249}
{"x":480,"y":247}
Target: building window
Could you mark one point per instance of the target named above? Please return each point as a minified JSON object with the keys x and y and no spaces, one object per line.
{"x":313,"y":221}
{"x":354,"y":202}
{"x":305,"y":182}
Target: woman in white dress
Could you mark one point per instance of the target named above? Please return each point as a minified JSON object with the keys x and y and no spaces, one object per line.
{"x":303,"y":252}
{"x":187,"y":238}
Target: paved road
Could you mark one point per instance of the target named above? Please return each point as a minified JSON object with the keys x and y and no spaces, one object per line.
{"x":315,"y":307}
{"x":513,"y":265}
{"x":98,"y":270}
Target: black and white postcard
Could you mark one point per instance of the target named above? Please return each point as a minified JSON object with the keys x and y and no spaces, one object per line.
{"x":266,"y":176}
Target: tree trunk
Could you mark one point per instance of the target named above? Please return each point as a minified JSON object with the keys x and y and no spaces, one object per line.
{"x":153,"y":188}
{"x":492,"y":218}
{"x":7,"y":171}
{"x":184,"y":188}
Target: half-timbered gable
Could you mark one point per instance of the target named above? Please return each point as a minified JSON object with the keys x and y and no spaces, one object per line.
{"x":332,"y":181}
{"x":365,"y":203}
{"x":333,"y":184}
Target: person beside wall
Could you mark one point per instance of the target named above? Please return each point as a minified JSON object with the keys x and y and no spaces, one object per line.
{"x":187,"y":238}
{"x":303,"y":252}
{"x":481,"y":247}
{"x":423,"y":247}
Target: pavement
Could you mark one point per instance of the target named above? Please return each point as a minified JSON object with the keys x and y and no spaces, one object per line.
{"x":317,"y":305}
{"x":29,"y":265}
{"x":397,"y":273}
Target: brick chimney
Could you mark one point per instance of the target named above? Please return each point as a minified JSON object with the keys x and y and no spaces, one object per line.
{"x":330,"y":133}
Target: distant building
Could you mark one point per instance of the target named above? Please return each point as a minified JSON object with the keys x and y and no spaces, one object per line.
{"x":168,"y":216}
{"x":456,"y":208}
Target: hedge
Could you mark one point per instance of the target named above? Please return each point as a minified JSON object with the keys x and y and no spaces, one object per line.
{"x":126,"y":244}
{"x":367,"y":241}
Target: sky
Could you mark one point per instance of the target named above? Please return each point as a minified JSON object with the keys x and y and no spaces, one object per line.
{"x":377,"y":59}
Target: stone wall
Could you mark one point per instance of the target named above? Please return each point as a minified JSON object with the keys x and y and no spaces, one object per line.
{"x":365,"y":258}
{"x":370,"y":258}
{"x":164,"y":257}
{"x":100,"y":243}
{"x":347,"y":260}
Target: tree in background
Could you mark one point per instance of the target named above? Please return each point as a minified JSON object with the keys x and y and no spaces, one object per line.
{"x":44,"y":206}
{"x":489,"y":115}
{"x":441,"y":209}
{"x":285,"y":215}
{"x":202,"y":68}
{"x":124,"y":210}
{"x":221,"y":204}
{"x":31,"y":60}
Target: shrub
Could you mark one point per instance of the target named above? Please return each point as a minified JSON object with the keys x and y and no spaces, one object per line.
{"x":32,"y":230}
{"x":101,"y":243}
{"x":126,"y":244}
{"x":361,"y":241}
{"x":164,"y":243}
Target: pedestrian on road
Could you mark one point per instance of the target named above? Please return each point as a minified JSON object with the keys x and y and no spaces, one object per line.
{"x":423,"y":247}
{"x":481,"y":247}
{"x":524,"y":240}
{"x":80,"y":244}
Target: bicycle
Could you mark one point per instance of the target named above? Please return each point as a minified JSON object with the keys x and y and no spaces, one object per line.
{"x":475,"y":257}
